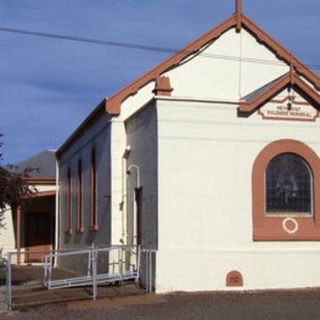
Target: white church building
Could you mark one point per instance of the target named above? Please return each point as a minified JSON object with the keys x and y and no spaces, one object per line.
{"x":212,"y":159}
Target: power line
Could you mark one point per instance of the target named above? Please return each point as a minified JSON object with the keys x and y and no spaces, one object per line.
{"x":135,"y":46}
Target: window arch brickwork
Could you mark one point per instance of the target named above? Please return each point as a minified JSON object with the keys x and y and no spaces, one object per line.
{"x":284,"y":227}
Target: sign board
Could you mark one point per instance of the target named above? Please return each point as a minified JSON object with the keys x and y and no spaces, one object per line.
{"x":300,"y":111}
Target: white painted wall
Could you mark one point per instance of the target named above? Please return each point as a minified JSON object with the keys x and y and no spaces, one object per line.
{"x":217,"y":73}
{"x":142,"y":137}
{"x":206,"y":155}
{"x":118,"y":145}
{"x":205,"y":159}
{"x":7,"y":238}
{"x":141,"y":131}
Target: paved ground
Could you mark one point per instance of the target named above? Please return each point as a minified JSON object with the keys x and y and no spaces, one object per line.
{"x":273,"y":305}
{"x":31,"y":301}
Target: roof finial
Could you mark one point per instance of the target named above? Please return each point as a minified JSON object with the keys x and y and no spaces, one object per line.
{"x":238,"y":15}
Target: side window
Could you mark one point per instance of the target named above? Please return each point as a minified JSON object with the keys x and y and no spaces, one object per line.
{"x":93,"y":191}
{"x":286,"y":192}
{"x":79,"y":198}
{"x":288,"y":186}
{"x":69,"y":194}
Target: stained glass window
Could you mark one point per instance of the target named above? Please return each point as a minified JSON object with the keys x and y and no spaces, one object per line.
{"x":289,"y":185}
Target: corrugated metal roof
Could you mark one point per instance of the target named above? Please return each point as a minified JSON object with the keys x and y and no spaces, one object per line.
{"x":43,"y":163}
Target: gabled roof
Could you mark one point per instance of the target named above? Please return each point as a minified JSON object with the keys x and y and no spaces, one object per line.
{"x":253,"y":95}
{"x":42,"y":165}
{"x":112,"y":105}
{"x":290,"y":79}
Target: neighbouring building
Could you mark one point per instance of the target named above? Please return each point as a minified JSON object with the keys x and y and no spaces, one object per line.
{"x":211,"y":158}
{"x":30,"y":229}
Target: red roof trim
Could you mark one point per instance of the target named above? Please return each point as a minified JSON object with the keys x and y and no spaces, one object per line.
{"x":289,"y":78}
{"x":280,"y":51}
{"x":91,"y":118}
{"x":112,"y":105}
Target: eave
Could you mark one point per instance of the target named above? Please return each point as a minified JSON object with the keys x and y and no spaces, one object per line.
{"x":290,"y":79}
{"x":40,"y":181}
{"x":89,"y":120}
{"x":112,"y":105}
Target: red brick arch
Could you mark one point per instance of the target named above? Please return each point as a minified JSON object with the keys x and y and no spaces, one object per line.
{"x":273,"y":228}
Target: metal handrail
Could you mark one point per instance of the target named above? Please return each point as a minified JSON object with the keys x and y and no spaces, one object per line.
{"x":125,"y":266}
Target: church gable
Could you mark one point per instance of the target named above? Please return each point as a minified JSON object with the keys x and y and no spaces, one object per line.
{"x":231,"y":67}
{"x":286,"y":98}
{"x":228,"y":62}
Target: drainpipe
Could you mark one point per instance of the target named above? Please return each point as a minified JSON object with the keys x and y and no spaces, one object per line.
{"x":124,"y":194}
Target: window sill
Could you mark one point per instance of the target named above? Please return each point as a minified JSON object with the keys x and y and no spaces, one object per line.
{"x":94,"y":228}
{"x":288,"y":215}
{"x":69,"y":232}
{"x":287,"y":229}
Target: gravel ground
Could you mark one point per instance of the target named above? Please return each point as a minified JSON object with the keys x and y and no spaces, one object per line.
{"x":273,"y":305}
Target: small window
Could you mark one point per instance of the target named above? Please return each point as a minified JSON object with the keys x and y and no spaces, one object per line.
{"x":288,"y":185}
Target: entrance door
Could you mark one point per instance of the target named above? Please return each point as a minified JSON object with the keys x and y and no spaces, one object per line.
{"x":37,"y":235}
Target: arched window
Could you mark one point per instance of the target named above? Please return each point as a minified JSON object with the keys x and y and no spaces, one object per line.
{"x":69,"y":194}
{"x":79,"y":197}
{"x":288,"y":185}
{"x":286,"y":192}
{"x":93,"y":191}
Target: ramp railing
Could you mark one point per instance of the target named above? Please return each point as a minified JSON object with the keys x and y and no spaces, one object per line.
{"x":86,"y":267}
{"x":104,"y":265}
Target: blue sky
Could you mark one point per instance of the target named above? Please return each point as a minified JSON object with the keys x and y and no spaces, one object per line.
{"x":48,"y":86}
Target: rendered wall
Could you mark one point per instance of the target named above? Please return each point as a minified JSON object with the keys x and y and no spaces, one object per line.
{"x":141,"y":131}
{"x":217,"y":73}
{"x":98,"y":137}
{"x":142,"y":137}
{"x":206,"y":156}
{"x":7,"y":236}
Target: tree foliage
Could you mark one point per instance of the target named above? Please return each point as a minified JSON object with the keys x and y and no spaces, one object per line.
{"x":13,"y":188}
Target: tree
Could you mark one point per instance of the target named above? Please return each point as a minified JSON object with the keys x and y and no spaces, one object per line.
{"x":13,"y":188}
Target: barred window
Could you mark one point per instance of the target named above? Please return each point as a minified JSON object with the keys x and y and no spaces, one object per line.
{"x":289,"y":185}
